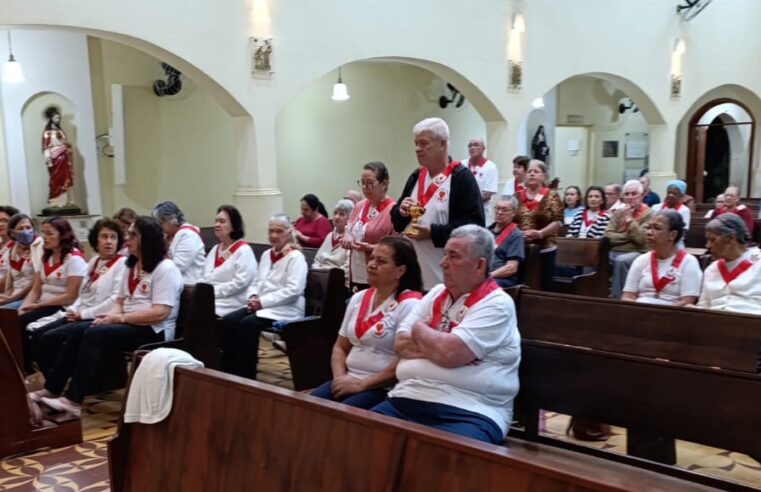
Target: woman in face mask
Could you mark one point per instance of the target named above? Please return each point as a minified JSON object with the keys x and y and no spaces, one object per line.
{"x":23,"y":257}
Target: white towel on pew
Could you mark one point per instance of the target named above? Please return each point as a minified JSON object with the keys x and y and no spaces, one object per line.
{"x":150,"y":395}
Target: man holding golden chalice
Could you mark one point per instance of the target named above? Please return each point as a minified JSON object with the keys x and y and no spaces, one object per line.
{"x":438,"y":197}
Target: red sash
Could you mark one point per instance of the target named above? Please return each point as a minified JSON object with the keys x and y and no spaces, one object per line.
{"x":505,"y":232}
{"x":48,"y":268}
{"x":739,"y":269}
{"x":660,"y":283}
{"x":484,"y":288}
{"x":532,"y":204}
{"x":366,"y":209}
{"x":18,"y":265}
{"x":133,"y":279}
{"x":220,"y":259}
{"x":635,"y":216}
{"x":362,"y":325}
{"x":335,"y":241}
{"x":422,"y":197}
{"x":275,"y":257}
{"x":588,"y":222}
{"x":96,"y":272}
{"x":676,"y":209}
{"x":474,"y":167}
{"x":193,"y":228}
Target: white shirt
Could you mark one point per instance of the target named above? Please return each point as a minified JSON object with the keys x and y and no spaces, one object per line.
{"x":330,"y":256}
{"x":56,"y":276}
{"x":486,"y":386}
{"x":374,"y":351}
{"x":187,"y":252}
{"x":4,"y":249}
{"x":232,"y":278}
{"x":687,"y":279}
{"x":684,"y":211}
{"x":487,"y":177}
{"x":741,"y":295}
{"x":96,"y":297}
{"x":22,"y":270}
{"x":619,"y":204}
{"x":162,"y":286}
{"x":436,"y":212}
{"x":281,"y":286}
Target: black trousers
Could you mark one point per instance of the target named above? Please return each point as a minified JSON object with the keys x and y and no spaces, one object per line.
{"x":31,"y":339}
{"x":58,"y":351}
{"x":240,"y":332}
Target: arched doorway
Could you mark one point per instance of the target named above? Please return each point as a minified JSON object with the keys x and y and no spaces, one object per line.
{"x":720,"y":149}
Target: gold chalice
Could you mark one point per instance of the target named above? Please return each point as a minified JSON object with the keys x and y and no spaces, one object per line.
{"x":415,"y":212}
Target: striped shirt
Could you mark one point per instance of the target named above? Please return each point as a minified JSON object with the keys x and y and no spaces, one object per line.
{"x":594,"y":230}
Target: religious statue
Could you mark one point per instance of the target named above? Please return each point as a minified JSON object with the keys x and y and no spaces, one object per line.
{"x":539,"y":148}
{"x":57,"y":154}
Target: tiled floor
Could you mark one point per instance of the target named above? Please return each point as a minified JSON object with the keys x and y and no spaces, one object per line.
{"x":84,"y":468}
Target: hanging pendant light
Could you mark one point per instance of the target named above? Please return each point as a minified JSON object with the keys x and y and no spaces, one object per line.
{"x":12,"y":72}
{"x":340,"y":91}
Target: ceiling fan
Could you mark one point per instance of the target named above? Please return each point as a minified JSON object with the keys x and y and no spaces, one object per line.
{"x":691,"y":8}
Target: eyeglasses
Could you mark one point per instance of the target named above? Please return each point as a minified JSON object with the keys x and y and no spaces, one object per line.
{"x":503,"y":210}
{"x":366,"y":184}
{"x":130,"y":234}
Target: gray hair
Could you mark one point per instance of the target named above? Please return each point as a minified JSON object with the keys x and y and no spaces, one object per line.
{"x":733,"y":188}
{"x":168,"y":212}
{"x":481,"y":243}
{"x":636,"y":183}
{"x":675,"y":222}
{"x":438,"y":128}
{"x":729,"y":225}
{"x":616,"y":187}
{"x":538,"y":163}
{"x":345,"y":205}
{"x":511,"y":200}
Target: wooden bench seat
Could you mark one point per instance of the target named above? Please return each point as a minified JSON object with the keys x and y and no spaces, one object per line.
{"x":247,"y":435}
{"x":582,"y":252}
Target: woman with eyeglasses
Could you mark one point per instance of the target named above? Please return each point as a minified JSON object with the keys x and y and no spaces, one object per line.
{"x":368,"y":223}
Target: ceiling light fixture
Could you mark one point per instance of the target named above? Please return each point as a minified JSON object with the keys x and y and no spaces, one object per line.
{"x":340,"y":91}
{"x":12,"y":72}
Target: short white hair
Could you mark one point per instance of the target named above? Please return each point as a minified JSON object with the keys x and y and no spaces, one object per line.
{"x":281,"y":218}
{"x":438,"y":128}
{"x":345,"y":205}
{"x":636,"y":184}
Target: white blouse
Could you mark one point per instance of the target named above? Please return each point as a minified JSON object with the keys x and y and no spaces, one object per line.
{"x":686,"y":279}
{"x":280,"y":286}
{"x":162,"y":286}
{"x":742,"y":294}
{"x":100,"y":287}
{"x":231,"y":273}
{"x":188,"y":253}
{"x":55,"y":276}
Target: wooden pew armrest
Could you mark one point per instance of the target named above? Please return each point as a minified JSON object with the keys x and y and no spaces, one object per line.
{"x":177,"y":343}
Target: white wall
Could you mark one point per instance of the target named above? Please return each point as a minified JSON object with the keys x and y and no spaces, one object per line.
{"x":57,"y":62}
{"x":575,"y":164}
{"x":322,"y":144}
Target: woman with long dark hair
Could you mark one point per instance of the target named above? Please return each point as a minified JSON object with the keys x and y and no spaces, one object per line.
{"x":363,"y":360}
{"x":593,"y":219}
{"x":144,"y":312}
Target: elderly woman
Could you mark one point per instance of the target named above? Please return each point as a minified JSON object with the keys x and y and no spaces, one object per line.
{"x":508,"y":244}
{"x":6,"y":241}
{"x":332,"y":254}
{"x":62,"y":332}
{"x":145,"y":311}
{"x":24,"y":258}
{"x":125,"y":217}
{"x":732,"y":205}
{"x":369,"y":222}
{"x":313,"y":225}
{"x":573,"y":204}
{"x":717,"y":204}
{"x":733,"y":282}
{"x":666,"y":274}
{"x":277,"y":294}
{"x":593,"y":219}
{"x":186,"y":247}
{"x":540,"y":217}
{"x":56,"y":285}
{"x":231,"y":264}
{"x":675,"y":191}
{"x":363,"y":360}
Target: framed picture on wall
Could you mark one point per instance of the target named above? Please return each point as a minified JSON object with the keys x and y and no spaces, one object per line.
{"x":610,"y":148}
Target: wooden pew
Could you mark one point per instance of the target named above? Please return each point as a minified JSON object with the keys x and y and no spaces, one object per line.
{"x":229,"y":434}
{"x":17,"y":435}
{"x":531,"y":268}
{"x":581,"y":252}
{"x":661,"y":372}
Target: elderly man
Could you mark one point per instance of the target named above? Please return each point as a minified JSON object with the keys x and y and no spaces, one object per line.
{"x":515,"y":184}
{"x":613,"y":197}
{"x":675,"y":191}
{"x":446,"y":190}
{"x":353,"y":195}
{"x":460,"y":348}
{"x":485,"y":172}
{"x":650,"y":197}
{"x":186,"y":249}
{"x":626,"y":232}
{"x":717,"y":204}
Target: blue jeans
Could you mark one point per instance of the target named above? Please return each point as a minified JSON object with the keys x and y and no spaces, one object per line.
{"x":13,"y":304}
{"x":443,"y":417}
{"x":364,"y":399}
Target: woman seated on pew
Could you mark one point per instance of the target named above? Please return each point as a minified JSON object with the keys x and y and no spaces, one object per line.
{"x":63,"y":330}
{"x":277,"y":294}
{"x":733,"y":282}
{"x":667,"y":274}
{"x":144,"y":312}
{"x":363,"y":360}
{"x":332,"y":254}
{"x":508,"y":244}
{"x":231,"y":264}
{"x":6,"y":239}
{"x":593,"y":219}
{"x":24,"y":258}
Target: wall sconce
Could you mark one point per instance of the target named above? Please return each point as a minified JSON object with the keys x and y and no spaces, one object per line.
{"x":12,"y":73}
{"x":261,"y":53}
{"x":340,"y":91}
{"x":676,"y":68}
{"x":515,"y":53}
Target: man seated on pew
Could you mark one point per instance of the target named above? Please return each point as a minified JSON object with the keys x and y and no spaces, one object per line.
{"x":460,"y":348}
{"x":626,"y":232}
